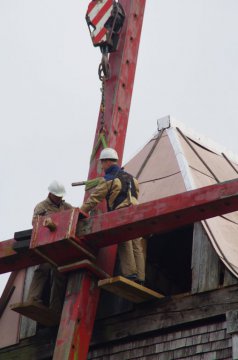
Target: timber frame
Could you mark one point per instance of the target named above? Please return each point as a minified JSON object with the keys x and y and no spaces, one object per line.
{"x":97,"y":237}
{"x":166,"y":313}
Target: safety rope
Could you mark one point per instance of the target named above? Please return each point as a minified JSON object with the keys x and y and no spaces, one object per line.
{"x":101,"y":140}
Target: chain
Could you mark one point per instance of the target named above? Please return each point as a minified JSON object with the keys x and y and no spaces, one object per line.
{"x":102,"y":106}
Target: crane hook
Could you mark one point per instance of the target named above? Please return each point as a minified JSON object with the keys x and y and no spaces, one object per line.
{"x":104,"y":68}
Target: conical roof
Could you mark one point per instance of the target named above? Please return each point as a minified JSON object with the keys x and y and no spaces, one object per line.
{"x":176,"y":160}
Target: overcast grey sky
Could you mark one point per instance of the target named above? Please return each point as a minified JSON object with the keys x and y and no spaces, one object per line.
{"x":50,"y":92}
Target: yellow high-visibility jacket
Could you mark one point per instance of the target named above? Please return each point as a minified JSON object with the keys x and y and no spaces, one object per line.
{"x":103,"y":188}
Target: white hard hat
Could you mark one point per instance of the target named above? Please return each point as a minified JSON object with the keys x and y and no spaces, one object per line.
{"x":108,"y":153}
{"x":56,"y":189}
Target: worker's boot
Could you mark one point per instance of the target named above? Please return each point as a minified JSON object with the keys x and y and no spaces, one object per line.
{"x":132,"y":277}
{"x":140,"y":282}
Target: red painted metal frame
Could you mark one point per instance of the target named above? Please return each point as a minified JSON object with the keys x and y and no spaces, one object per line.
{"x":118,"y":93}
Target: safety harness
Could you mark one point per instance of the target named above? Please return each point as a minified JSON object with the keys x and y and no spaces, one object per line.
{"x":127,"y":189}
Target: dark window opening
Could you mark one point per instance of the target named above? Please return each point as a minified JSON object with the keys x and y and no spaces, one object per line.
{"x":169,"y":261}
{"x":168,"y":270}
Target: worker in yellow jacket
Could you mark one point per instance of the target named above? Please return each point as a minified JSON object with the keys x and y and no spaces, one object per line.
{"x":120,"y":189}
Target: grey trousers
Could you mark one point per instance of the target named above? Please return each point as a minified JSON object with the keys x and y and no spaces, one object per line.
{"x":58,"y":283}
{"x":132,"y":255}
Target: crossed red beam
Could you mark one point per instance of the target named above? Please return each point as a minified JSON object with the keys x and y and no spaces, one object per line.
{"x":106,"y":229}
{"x":82,"y":293}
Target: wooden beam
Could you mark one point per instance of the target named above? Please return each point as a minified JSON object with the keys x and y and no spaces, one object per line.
{"x":205,"y":262}
{"x":58,"y":247}
{"x":118,"y":94}
{"x":78,"y":316}
{"x":153,"y":217}
{"x":165,"y":313}
{"x":7,"y":292}
{"x":11,"y":260}
{"x":84,"y":265}
{"x":161,"y":215}
{"x":68,"y":250}
{"x":128,"y":289}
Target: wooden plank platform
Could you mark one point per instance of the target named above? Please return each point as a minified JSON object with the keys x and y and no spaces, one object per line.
{"x":85,"y":265}
{"x":37,"y":312}
{"x":128,"y":289}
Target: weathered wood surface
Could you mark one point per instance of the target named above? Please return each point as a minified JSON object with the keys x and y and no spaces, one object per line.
{"x":79,"y":309}
{"x":167,"y":312}
{"x":200,"y":341}
{"x":37,"y":312}
{"x":39,"y":347}
{"x":205,"y":262}
{"x":235,"y":346}
{"x":190,"y":340}
{"x":206,"y":341}
{"x":229,"y":278}
{"x":232,"y":328}
{"x":232,"y":321}
{"x":84,"y":265}
{"x":128,"y":289}
{"x":11,"y":260}
{"x":27,"y":325}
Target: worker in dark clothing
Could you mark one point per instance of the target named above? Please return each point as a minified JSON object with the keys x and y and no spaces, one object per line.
{"x":53,"y":203}
{"x":120,"y":189}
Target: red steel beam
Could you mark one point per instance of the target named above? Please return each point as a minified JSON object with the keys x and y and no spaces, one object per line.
{"x":118,"y":93}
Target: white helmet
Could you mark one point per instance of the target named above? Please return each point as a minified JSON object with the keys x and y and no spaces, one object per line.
{"x":108,"y":153}
{"x":56,"y":189}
